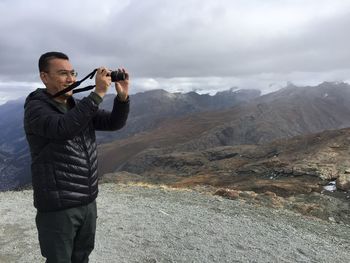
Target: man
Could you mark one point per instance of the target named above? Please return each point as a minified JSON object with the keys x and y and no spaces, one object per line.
{"x":61,"y":136}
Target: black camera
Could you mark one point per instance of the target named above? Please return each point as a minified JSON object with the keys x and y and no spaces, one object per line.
{"x":117,"y":76}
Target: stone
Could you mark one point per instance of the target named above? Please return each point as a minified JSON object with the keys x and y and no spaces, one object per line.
{"x":228,"y":193}
{"x":343,"y":182}
{"x":322,"y":170}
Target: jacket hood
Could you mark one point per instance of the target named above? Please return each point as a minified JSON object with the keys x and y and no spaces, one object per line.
{"x":38,"y":94}
{"x":42,"y":95}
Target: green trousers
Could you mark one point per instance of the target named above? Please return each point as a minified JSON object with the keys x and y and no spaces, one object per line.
{"x":67,"y":236}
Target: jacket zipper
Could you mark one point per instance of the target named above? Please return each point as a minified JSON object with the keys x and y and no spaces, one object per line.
{"x":88,"y":162}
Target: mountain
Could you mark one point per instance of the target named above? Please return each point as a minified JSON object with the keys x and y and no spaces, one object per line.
{"x":147,"y":111}
{"x":289,"y":173}
{"x":14,"y":152}
{"x":317,"y":157}
{"x":286,"y":113}
{"x":12,"y":138}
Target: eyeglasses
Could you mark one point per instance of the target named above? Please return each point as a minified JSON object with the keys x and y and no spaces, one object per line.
{"x":67,"y":73}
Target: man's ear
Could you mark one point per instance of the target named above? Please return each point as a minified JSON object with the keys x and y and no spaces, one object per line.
{"x":43,"y":77}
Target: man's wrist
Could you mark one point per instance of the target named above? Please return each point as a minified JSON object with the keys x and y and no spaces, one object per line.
{"x":123,"y":99}
{"x":96,"y":97}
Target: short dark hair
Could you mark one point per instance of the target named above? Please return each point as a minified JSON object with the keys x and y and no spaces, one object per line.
{"x":45,"y":59}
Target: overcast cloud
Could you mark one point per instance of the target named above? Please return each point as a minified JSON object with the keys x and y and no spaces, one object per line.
{"x":182,"y":45}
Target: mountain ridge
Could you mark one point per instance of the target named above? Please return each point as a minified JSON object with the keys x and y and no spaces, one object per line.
{"x":254,"y":122}
{"x":144,"y":115}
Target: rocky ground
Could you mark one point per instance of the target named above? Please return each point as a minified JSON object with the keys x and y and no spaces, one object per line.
{"x":289,"y":173}
{"x":161,"y":224}
{"x":304,"y":195}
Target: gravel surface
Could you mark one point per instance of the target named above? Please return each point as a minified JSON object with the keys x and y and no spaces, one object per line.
{"x":154,"y":224}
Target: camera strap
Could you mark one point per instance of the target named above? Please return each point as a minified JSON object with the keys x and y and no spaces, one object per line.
{"x":76,"y":84}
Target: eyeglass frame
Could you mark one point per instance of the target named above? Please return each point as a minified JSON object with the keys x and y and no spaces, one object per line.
{"x":65,"y":73}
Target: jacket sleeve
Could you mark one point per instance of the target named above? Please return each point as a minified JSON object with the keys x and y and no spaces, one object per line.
{"x":43,"y":120}
{"x":114,"y":120}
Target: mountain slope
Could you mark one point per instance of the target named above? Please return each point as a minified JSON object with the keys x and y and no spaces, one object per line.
{"x":148,"y":109}
{"x":323,"y":156}
{"x":289,"y":112}
{"x":14,"y":152}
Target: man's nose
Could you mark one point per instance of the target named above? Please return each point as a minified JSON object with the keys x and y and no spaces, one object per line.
{"x":70,"y":78}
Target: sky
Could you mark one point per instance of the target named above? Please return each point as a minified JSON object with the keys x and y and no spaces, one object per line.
{"x":180,"y":46}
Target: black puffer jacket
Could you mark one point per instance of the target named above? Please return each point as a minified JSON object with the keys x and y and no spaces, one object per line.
{"x":63,"y":148}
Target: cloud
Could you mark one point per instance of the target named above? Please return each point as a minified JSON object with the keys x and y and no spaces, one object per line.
{"x":15,"y":90}
{"x":191,"y":41}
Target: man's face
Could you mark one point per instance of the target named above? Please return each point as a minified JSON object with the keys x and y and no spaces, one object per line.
{"x":59,"y":76}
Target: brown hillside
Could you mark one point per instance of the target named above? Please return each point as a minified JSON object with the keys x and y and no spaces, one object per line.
{"x":283,"y":114}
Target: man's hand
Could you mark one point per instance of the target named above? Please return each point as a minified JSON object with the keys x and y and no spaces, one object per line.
{"x":102,"y":81}
{"x":122,"y":86}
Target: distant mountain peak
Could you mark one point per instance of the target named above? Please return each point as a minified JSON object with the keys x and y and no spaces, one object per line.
{"x":328,"y":84}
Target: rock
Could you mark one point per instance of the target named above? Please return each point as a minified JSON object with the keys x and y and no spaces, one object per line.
{"x":248,"y":194}
{"x":305,"y":209}
{"x":323,"y":171}
{"x":331,"y":219}
{"x":343,"y":182}
{"x":228,"y":193}
{"x":271,"y":194}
